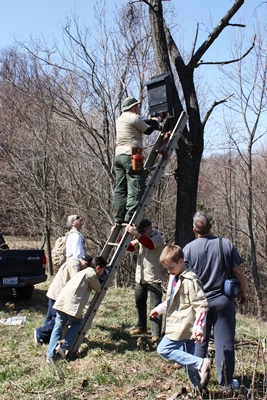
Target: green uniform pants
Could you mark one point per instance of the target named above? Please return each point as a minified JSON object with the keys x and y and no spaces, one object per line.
{"x":129,"y":188}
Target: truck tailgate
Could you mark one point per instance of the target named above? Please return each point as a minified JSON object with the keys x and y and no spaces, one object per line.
{"x":25,"y":264}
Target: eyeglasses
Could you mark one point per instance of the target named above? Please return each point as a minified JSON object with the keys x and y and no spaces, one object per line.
{"x":76,"y":218}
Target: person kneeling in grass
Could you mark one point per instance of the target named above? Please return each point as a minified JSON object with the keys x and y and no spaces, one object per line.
{"x":186,"y":309}
{"x":69,"y":306}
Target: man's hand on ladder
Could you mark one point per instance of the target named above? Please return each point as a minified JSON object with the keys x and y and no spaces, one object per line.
{"x":162,"y":148}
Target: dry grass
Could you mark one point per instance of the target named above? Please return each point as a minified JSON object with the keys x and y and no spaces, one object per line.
{"x":111,"y":364}
{"x":20,"y":242}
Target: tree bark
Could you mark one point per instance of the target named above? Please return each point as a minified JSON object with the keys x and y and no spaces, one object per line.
{"x":190,"y":146}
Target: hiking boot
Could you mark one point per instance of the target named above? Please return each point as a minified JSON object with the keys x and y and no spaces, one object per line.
{"x":60,"y":349}
{"x":204,"y":372}
{"x":155,"y":340}
{"x":137,"y":331}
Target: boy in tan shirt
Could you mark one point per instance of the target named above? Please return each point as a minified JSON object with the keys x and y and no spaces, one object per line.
{"x":186,"y":308}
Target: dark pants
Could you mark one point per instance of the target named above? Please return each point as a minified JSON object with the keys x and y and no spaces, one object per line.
{"x":141,"y":294}
{"x":221,"y":316}
{"x":44,"y":332}
{"x":129,"y":188}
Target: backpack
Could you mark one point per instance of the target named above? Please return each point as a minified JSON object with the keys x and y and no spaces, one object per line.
{"x":59,"y":251}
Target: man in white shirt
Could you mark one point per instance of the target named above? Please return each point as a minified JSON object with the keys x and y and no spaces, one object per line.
{"x":75,"y":242}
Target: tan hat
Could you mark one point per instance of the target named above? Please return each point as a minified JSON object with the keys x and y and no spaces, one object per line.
{"x":129,"y":102}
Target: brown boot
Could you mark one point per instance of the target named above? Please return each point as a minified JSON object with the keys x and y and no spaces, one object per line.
{"x":137,"y":331}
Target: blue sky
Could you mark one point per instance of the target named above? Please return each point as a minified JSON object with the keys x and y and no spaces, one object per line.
{"x":21,"y":19}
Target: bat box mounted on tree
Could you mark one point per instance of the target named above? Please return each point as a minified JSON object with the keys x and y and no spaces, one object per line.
{"x":159,"y":95}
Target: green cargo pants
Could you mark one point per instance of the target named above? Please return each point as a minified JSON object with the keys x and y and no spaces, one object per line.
{"x":129,"y":188}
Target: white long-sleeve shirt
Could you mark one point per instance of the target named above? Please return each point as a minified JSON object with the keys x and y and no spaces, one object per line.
{"x":75,"y":245}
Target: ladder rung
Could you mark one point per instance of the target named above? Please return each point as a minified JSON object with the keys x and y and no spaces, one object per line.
{"x":150,"y":168}
{"x":113,"y":244}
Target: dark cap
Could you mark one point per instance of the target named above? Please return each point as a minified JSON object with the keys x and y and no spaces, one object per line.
{"x":98,"y":260}
{"x":88,"y":259}
{"x":145,"y":223}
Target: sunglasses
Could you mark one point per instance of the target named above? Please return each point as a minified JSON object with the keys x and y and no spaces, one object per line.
{"x":76,"y":218}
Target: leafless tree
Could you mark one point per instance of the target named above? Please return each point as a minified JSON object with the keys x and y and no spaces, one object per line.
{"x":169,"y":58}
{"x":73,"y":97}
{"x":237,"y":179}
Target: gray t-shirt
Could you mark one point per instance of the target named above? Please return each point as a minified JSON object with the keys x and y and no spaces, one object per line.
{"x":204,"y":256}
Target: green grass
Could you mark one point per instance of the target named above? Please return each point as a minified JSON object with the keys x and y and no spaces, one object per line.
{"x":110,"y":363}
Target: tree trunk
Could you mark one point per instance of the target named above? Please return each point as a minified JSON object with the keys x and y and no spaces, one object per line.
{"x":190,"y":146}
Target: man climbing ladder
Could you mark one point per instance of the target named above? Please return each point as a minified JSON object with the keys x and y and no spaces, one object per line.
{"x":121,"y":247}
{"x":128,"y":162}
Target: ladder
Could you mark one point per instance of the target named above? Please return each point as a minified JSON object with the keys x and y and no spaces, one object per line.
{"x":164,"y":146}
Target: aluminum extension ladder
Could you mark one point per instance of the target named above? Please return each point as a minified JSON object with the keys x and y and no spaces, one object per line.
{"x":164,"y":146}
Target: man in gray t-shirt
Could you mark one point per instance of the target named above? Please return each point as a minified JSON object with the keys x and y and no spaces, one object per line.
{"x":203,"y":255}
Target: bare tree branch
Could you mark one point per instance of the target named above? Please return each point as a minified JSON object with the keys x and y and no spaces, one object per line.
{"x":216,"y":32}
{"x":215,"y":104}
{"x":195,"y":41}
{"x":230,"y":61}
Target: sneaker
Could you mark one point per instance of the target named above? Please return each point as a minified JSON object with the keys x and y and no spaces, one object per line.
{"x":233,"y":386}
{"x":61,"y":350}
{"x":137,"y":331}
{"x":204,"y":372}
{"x":50,"y":360}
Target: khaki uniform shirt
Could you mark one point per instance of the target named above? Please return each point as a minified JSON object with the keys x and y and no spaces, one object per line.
{"x":149,"y":269}
{"x":65,"y":272}
{"x":74,"y":296}
{"x":188,"y":301}
{"x":129,"y":129}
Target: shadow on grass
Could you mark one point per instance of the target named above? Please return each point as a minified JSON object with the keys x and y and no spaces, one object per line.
{"x":119,"y":340}
{"x":38,"y":302}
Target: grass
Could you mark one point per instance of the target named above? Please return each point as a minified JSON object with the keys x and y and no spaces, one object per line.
{"x":110,"y":363}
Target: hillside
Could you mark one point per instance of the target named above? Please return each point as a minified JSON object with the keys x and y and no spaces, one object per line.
{"x":111,"y":364}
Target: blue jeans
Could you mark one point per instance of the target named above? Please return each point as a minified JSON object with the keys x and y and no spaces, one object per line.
{"x":129,"y":188}
{"x":182,"y":353}
{"x":221,"y":316}
{"x":60,"y":322}
{"x":44,"y":332}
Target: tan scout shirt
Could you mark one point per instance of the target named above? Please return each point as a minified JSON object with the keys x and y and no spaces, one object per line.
{"x":129,"y":129}
{"x":188,"y":302}
{"x":65,"y":272}
{"x":74,"y":296}
{"x":149,"y":269}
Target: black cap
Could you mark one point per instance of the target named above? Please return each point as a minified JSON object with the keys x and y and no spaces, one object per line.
{"x":145,"y":223}
{"x":88,"y":259}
